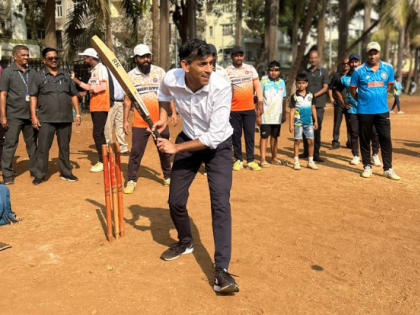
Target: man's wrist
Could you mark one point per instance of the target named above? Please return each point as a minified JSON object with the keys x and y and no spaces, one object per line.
{"x":78,"y":115}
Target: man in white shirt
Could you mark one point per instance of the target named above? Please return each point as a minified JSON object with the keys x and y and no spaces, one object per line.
{"x":203,"y":99}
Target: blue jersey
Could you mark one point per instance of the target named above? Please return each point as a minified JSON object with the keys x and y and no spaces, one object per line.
{"x":345,"y":80}
{"x":372,"y":87}
{"x":303,"y":108}
{"x":274,"y":91}
{"x":397,"y":88}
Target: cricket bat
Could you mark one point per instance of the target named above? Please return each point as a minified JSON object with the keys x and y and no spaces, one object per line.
{"x":114,"y":65}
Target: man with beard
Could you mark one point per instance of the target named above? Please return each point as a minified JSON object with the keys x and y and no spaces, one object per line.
{"x":53,"y":96}
{"x":146,"y":78}
{"x":339,"y":108}
{"x":203,"y":99}
{"x":318,"y":86}
{"x":369,"y":86}
{"x":14,"y":111}
{"x":244,"y":80}
{"x":100,"y":102}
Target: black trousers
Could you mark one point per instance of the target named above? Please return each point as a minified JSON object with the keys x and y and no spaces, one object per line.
{"x":243,"y":120}
{"x":139,"y":142}
{"x":2,"y":138}
{"x":218,"y":163}
{"x":382,"y":123}
{"x":99,"y":122}
{"x":354,"y":140}
{"x":339,"y":112}
{"x":45,"y":139}
{"x":396,"y":102}
{"x":16,"y":126}
{"x":317,"y":134}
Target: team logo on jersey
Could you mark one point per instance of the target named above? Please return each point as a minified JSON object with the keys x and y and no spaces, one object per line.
{"x":246,"y":72}
{"x":155,"y":80}
{"x":367,"y":77}
{"x":309,"y":98}
{"x":384,"y":75}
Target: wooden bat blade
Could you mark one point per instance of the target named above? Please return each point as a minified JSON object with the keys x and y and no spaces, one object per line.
{"x":114,"y":65}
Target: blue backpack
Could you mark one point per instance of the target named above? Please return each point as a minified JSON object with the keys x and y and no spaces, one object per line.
{"x":7,"y":216}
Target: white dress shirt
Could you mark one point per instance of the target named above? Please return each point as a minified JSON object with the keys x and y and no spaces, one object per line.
{"x":205,"y":113}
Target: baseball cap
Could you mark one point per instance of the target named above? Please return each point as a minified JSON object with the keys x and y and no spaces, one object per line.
{"x":90,"y":52}
{"x":354,"y":56}
{"x":373,"y":45}
{"x":213,"y":48}
{"x":141,"y":50}
{"x":237,"y":49}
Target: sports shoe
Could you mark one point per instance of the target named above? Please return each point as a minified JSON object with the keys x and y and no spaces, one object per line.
{"x":98,"y":167}
{"x":70,"y":178}
{"x":167,"y":182}
{"x":391,"y":112}
{"x":355,"y":160}
{"x":400,"y":112}
{"x":253,"y":166}
{"x":376,"y":160}
{"x":391,"y":174}
{"x":265,"y":164}
{"x":125,"y":153}
{"x":223,"y":282}
{"x":367,"y":172}
{"x":176,"y":250}
{"x":8,"y":180}
{"x":312,"y":166}
{"x":238,"y":165}
{"x":37,"y":181}
{"x":297,"y":166}
{"x":131,"y":185}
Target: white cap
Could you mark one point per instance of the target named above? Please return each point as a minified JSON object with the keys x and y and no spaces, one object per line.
{"x":90,"y":52}
{"x":373,"y":45}
{"x":141,"y":50}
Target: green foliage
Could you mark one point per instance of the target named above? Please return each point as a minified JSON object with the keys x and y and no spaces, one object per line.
{"x":34,"y":16}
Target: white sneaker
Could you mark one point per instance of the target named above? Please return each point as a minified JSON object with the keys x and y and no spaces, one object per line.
{"x":376,"y":160}
{"x":391,"y":112}
{"x":131,"y":185}
{"x":167,"y":182}
{"x":355,"y":160}
{"x":312,"y":166}
{"x":98,"y":167}
{"x":391,"y":174}
{"x":297,"y":166}
{"x":400,"y":112}
{"x":367,"y":172}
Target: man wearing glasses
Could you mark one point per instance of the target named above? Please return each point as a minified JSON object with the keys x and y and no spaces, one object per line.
{"x":318,"y":80}
{"x":14,"y":111}
{"x":54,"y":95}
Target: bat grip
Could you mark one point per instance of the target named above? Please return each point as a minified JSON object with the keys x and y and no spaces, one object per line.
{"x":156,"y":134}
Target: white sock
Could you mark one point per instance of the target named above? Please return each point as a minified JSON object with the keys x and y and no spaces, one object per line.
{"x":296,"y":159}
{"x":311,"y":159}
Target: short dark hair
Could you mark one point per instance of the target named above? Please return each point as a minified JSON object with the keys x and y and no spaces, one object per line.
{"x":18,"y":48}
{"x":302,"y":77}
{"x":274,"y":63}
{"x":194,"y":49}
{"x":45,"y":51}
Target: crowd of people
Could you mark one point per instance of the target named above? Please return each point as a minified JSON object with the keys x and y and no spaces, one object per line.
{"x":216,"y":105}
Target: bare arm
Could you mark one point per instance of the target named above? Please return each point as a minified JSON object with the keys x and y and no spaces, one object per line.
{"x":283,"y":118}
{"x":174,"y":117}
{"x":389,"y":88}
{"x":340,"y":97}
{"x":32,"y":107}
{"x":127,"y":108}
{"x":83,"y":85}
{"x":330,"y":94}
{"x":3,"y":118}
{"x":75,"y":102}
{"x":354,"y":93}
{"x":315,"y":117}
{"x":258,"y":90}
{"x":322,"y":91}
{"x":292,"y":120}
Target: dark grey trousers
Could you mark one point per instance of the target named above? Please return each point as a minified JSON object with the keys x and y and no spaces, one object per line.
{"x":218,"y":164}
{"x":339,"y":112}
{"x":16,"y":126}
{"x":45,"y":139}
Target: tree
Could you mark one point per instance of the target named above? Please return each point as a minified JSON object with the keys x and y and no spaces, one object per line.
{"x":156,"y":32}
{"x":192,"y":22}
{"x":273,"y":29}
{"x":50,"y":32}
{"x":238,"y":23}
{"x":164,"y":35}
{"x":343,"y":27}
{"x":322,"y":23}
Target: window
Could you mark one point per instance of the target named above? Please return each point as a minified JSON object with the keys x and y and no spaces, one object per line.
{"x":227,"y":30}
{"x":59,"y":39}
{"x":211,"y":31}
{"x":58,"y":9}
{"x":248,"y":55}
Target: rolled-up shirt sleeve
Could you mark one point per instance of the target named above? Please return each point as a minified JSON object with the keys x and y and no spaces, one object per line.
{"x":219,"y":120}
{"x":164,"y":95}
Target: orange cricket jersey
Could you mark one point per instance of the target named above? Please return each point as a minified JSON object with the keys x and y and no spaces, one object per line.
{"x":99,"y":102}
{"x":242,"y":80}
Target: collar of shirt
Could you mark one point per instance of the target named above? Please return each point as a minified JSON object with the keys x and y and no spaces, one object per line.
{"x":298,"y":94}
{"x":370,"y":69}
{"x":96,"y":67}
{"x":276,"y":79}
{"x":15,"y":67}
{"x":181,"y":83}
{"x":47,"y":71}
{"x":138,"y":72}
{"x":318,"y":68}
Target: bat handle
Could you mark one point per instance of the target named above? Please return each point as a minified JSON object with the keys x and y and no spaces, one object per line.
{"x":156,"y":134}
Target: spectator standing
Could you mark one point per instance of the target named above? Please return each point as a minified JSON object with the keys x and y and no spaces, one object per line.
{"x":397,"y":93}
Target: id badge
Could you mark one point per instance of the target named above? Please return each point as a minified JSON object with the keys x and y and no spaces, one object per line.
{"x":27,"y":97}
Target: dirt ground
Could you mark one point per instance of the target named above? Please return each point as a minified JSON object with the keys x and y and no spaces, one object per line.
{"x":308,"y":242}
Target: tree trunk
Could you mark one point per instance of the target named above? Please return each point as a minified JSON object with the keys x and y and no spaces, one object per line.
{"x":238,"y":26}
{"x":295,"y":30}
{"x":156,"y":35}
{"x":343,"y":27}
{"x":164,"y":35}
{"x":302,"y":45}
{"x":401,"y":35}
{"x":322,"y":22}
{"x":366,"y":22}
{"x":274,"y":21}
{"x":416,"y":64}
{"x":387,"y":48}
{"x":50,"y":33}
{"x":267,"y":26}
{"x":108,"y":29}
{"x":192,"y":32}
{"x":410,"y":70}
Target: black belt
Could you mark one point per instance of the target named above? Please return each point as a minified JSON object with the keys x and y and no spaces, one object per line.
{"x":119,"y":101}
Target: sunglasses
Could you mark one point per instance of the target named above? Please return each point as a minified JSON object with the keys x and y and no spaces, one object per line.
{"x":345,"y":64}
{"x":52,"y":58}
{"x":275,"y":69}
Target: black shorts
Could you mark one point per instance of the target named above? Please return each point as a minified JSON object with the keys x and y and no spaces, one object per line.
{"x":270,"y":130}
